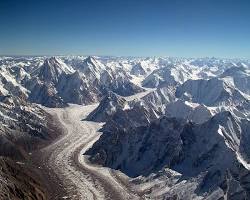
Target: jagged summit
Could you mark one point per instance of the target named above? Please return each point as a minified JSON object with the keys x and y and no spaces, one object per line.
{"x":91,"y":67}
{"x":52,"y":68}
{"x":90,"y":60}
{"x":58,"y":63}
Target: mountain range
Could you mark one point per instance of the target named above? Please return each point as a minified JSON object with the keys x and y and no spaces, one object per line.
{"x":180,"y":126}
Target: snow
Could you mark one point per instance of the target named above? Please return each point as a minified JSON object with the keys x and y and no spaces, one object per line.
{"x":193,"y":105}
{"x":139,"y":95}
{"x":3,"y":90}
{"x":64,"y":67}
{"x":6,"y":117}
{"x":221,"y":132}
{"x":137,"y":80}
{"x":242,"y":161}
{"x":126,"y":106}
{"x":11,"y":82}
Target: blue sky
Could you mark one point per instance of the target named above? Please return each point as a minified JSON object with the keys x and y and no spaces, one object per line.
{"x":185,"y":28}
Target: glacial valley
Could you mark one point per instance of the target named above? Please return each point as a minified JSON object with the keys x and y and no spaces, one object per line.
{"x":100,"y":127}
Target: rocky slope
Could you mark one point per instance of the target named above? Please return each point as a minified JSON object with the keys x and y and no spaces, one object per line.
{"x":17,"y":182}
{"x":23,"y":129}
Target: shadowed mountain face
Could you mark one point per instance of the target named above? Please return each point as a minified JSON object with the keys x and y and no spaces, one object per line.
{"x":173,"y":143}
{"x":209,"y":151}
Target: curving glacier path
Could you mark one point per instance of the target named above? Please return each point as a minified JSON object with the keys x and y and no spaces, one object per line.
{"x":80,"y":179}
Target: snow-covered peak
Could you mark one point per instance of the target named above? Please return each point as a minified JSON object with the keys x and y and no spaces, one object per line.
{"x":10,"y":86}
{"x":90,"y":64}
{"x":210,"y":92}
{"x":51,"y":69}
{"x":58,"y":63}
{"x":239,"y":76}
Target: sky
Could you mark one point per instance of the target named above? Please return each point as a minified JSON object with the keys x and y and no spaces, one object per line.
{"x":182,"y":28}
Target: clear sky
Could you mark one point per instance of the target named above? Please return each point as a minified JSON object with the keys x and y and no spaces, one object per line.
{"x":186,"y":28}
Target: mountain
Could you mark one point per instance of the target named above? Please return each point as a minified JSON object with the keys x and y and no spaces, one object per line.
{"x":159,"y":98}
{"x":44,"y":78}
{"x":193,"y":151}
{"x":158,"y":77}
{"x":51,"y":70}
{"x":43,"y":82}
{"x":10,"y":86}
{"x":204,"y":92}
{"x":54,"y":84}
{"x":240,"y":76}
{"x":107,"y":79}
{"x":190,"y":111}
{"x":117,"y":112}
{"x":45,"y":94}
{"x":107,"y":107}
{"x":91,"y":68}
{"x":74,"y":88}
{"x":138,"y":70}
{"x":169,"y":75}
{"x":24,"y":127}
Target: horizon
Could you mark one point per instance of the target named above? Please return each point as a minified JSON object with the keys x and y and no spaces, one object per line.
{"x":187,"y":29}
{"x":129,"y":56}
